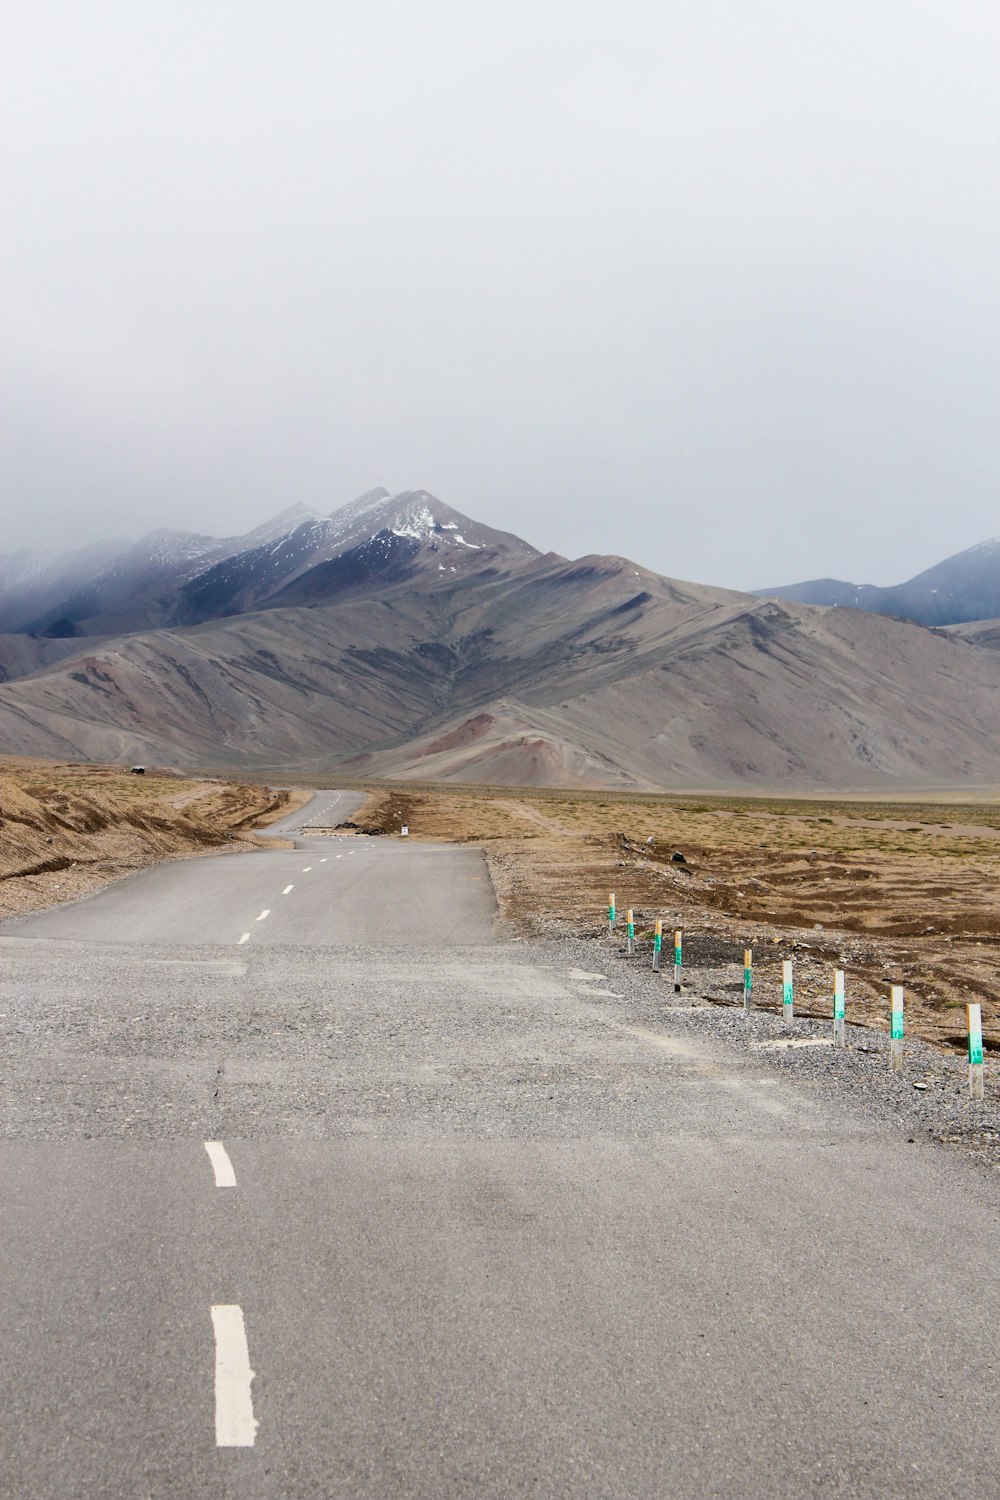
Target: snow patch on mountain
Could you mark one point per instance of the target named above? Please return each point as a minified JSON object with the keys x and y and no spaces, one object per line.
{"x":417,"y":522}
{"x":279,"y":527}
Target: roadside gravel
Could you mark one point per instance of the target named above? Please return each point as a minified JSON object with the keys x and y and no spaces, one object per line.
{"x":802,"y":1053}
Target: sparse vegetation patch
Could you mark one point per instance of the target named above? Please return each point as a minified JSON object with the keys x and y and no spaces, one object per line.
{"x":893,"y":892}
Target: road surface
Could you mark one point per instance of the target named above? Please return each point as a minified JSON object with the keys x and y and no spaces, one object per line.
{"x":477,"y":1226}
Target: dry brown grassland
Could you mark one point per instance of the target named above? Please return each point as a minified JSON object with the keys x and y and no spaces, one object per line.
{"x":67,"y":829}
{"x":893,"y":892}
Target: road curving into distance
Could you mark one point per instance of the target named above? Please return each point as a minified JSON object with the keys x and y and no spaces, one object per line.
{"x":310,"y":1187}
{"x":323,"y":892}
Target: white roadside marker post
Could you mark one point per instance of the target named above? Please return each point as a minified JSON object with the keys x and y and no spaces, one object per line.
{"x":896,"y":1029}
{"x":787,"y":992}
{"x":838,"y":1008}
{"x":678,"y":959}
{"x":404,"y":832}
{"x":747,"y":977}
{"x":657,"y":944}
{"x":630,"y":933}
{"x":611,"y":913}
{"x":975,"y":1016}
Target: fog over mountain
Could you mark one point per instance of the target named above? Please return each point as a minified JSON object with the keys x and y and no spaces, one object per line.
{"x":400,"y":637}
{"x":177,"y":578}
{"x":711,"y":285}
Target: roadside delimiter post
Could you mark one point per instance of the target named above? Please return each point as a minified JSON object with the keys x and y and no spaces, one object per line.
{"x":896,"y":1029}
{"x":787,"y":992}
{"x":657,"y":944}
{"x":838,"y":1008}
{"x":747,"y":977}
{"x":630,"y":932}
{"x":611,"y":913}
{"x":975,"y":1015}
{"x":678,"y":959}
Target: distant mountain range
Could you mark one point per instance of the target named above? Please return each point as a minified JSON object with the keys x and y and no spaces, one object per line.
{"x":962,"y":588}
{"x":179,"y":578}
{"x":398,"y":637}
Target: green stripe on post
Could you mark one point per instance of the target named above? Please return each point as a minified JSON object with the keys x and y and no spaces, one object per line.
{"x":974,"y":1012}
{"x":838,"y":1008}
{"x":896,"y":1029}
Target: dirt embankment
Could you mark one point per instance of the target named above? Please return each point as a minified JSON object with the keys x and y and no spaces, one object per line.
{"x":890,"y":892}
{"x":66,"y":829}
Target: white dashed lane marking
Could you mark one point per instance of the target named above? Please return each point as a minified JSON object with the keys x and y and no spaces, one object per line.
{"x":287,"y":889}
{"x":244,"y":938}
{"x":235,"y":1424}
{"x":306,"y":869}
{"x":265,"y":913}
{"x":221,"y":1165}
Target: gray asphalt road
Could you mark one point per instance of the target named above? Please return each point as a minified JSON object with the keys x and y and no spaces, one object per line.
{"x":496,"y":1230}
{"x":327,"y":890}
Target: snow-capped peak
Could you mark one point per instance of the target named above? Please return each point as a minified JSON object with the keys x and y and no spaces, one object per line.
{"x":345,"y":517}
{"x":280,"y":525}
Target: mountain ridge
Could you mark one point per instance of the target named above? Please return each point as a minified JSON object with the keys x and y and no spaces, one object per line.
{"x":400,"y":638}
{"x":960,"y":589}
{"x":171,"y":577}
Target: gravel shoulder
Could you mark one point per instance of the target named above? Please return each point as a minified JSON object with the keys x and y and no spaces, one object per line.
{"x":928,"y":1102}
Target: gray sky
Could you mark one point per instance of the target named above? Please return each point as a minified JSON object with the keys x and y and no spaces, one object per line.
{"x":709,"y":283}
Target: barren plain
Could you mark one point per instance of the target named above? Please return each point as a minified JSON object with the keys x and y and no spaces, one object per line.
{"x":893,"y":892}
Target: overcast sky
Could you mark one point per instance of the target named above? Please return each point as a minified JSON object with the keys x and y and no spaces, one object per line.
{"x":709,"y":283}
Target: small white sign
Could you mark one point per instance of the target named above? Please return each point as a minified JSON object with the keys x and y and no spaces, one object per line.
{"x":405,"y":830}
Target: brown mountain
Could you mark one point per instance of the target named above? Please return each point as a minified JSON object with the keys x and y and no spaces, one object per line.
{"x":424,"y":645}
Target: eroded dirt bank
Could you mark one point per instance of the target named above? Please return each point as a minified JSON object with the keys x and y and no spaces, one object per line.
{"x":68,"y":829}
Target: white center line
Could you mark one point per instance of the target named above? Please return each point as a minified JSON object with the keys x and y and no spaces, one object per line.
{"x":235,"y":1424}
{"x":306,"y":869}
{"x":265,"y":913}
{"x":323,"y":860}
{"x":221,"y":1165}
{"x":243,"y":939}
{"x":287,"y":889}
